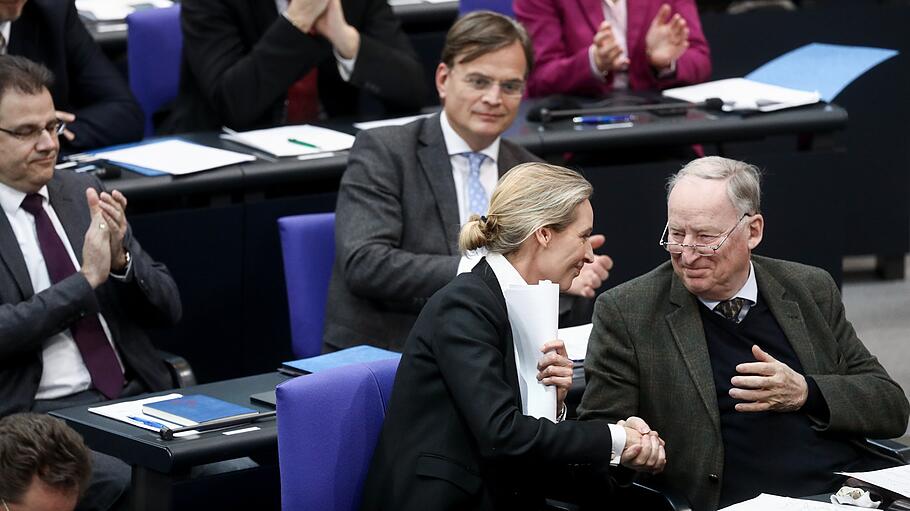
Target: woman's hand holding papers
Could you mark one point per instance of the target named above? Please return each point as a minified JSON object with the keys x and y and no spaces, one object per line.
{"x":555,"y":368}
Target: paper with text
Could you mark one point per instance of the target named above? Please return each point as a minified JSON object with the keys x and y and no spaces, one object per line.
{"x":174,"y":156}
{"x":292,"y":140}
{"x":896,"y":479}
{"x":533,"y":315}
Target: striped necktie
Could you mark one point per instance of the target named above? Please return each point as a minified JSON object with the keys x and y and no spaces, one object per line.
{"x":478,"y":202}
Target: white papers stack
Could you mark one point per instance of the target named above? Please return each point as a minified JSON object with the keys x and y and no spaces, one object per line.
{"x":115,"y":10}
{"x":174,"y":156}
{"x":130,"y":412}
{"x":896,"y":479}
{"x":397,"y":121}
{"x":533,"y":315}
{"x":576,"y":340}
{"x":767,"y":502}
{"x":292,"y":140}
{"x":742,"y":94}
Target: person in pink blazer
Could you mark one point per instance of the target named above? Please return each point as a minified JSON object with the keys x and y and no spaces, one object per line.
{"x":579,"y":52}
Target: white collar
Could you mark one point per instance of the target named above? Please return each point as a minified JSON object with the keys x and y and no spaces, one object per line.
{"x":505,"y":273}
{"x":11,"y":199}
{"x":456,"y":145}
{"x":749,"y":291}
{"x":5,"y":28}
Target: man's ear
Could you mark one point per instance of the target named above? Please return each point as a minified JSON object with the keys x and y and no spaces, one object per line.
{"x":756,"y":230}
{"x":442,"y":74}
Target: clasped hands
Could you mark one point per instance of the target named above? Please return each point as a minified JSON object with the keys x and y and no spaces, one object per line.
{"x":768,"y":385}
{"x":666,"y":40}
{"x":325,"y":18}
{"x":103,"y":250}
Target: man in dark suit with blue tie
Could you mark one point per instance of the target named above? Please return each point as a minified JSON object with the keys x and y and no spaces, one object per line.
{"x":90,"y":94}
{"x":408,"y":189}
{"x":76,"y":288}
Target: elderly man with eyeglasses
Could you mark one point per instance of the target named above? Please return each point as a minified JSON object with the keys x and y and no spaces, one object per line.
{"x":408,"y":189}
{"x":746,"y":365}
{"x":76,"y":288}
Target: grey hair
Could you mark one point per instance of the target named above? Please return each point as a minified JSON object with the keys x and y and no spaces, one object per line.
{"x":743,"y":180}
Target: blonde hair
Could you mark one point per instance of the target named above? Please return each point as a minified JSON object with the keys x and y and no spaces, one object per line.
{"x":527,"y":197}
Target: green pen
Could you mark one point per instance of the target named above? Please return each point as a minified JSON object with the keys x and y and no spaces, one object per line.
{"x":301,"y":142}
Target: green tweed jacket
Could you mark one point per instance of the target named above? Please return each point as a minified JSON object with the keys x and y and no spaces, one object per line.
{"x":647,"y":356}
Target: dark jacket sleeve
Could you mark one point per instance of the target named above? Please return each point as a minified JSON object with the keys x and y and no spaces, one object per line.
{"x":106,"y":111}
{"x":369,"y":224}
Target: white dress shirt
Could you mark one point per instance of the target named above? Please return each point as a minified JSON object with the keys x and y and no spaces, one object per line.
{"x":4,"y":32}
{"x":749,"y":292}
{"x":508,"y":276}
{"x":64,"y":371}
{"x":345,"y":66}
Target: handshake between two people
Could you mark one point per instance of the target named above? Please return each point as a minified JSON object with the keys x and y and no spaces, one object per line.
{"x":644,"y":450}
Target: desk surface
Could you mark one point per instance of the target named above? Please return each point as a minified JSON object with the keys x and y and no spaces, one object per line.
{"x":650,"y":130}
{"x":142,"y":447}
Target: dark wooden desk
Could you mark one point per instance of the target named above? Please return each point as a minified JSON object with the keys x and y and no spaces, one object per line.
{"x":158,"y":464}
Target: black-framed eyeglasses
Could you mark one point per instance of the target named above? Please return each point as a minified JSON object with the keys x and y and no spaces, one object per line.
{"x":483,"y":83}
{"x":30,"y":133}
{"x":673,"y":244}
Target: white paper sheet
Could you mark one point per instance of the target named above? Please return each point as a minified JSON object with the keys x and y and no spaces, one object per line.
{"x":533,"y":315}
{"x":127,"y":409}
{"x":576,"y":340}
{"x":277,"y":141}
{"x":397,"y":121}
{"x":767,"y":502}
{"x":896,"y":479}
{"x":175,"y":157}
{"x":114,"y":10}
{"x":743,"y":94}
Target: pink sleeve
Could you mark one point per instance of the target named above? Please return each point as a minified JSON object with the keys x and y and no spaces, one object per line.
{"x":558,"y":69}
{"x":694,"y":66}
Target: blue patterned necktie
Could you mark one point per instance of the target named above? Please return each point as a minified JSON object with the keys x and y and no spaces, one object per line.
{"x":478,"y":202}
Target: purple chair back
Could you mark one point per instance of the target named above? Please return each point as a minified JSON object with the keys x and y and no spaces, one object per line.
{"x":308,"y":247}
{"x":154,"y":46}
{"x":500,"y":6}
{"x":328,"y":426}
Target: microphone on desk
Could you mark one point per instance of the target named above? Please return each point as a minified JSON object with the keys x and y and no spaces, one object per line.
{"x":546,"y":115}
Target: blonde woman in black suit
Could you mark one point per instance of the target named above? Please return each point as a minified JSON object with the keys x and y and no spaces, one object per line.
{"x":455,"y":436}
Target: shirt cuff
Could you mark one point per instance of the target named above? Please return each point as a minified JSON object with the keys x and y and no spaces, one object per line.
{"x":618,"y":435}
{"x":594,"y":70}
{"x":469,"y":260}
{"x":125,"y":276}
{"x":345,"y":66}
{"x":669,"y":72}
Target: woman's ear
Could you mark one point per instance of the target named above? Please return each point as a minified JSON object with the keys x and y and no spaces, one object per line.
{"x":543,"y":236}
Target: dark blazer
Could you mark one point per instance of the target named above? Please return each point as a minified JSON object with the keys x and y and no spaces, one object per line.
{"x":648,"y":356}
{"x":240,"y":57}
{"x":396,"y":232}
{"x":85,"y":82}
{"x":149,"y":298}
{"x":454,"y":436}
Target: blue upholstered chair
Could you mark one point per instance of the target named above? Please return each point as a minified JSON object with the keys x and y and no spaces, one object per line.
{"x":154,"y":44}
{"x":308,"y":247}
{"x":328,"y":426}
{"x":500,"y":6}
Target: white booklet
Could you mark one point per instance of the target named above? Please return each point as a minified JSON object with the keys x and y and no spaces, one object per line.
{"x":130,"y":412}
{"x":296,"y":140}
{"x":534,"y":316}
{"x":174,"y":156}
{"x":742,"y":94}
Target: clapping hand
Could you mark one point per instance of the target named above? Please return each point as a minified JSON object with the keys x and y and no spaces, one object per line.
{"x":593,"y":274}
{"x":608,"y":55}
{"x":667,"y":38}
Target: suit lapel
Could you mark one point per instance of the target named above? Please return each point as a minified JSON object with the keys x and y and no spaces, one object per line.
{"x":689,"y":334}
{"x":12,"y":257}
{"x":489,"y":277}
{"x":70,"y":213}
{"x":593,"y":11}
{"x":788,"y":316}
{"x":22,"y":31}
{"x":434,"y":163}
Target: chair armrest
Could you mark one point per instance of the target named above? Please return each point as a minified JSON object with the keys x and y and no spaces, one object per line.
{"x":650,"y":495}
{"x":891,"y":447}
{"x":181,"y":373}
{"x":666,"y":496}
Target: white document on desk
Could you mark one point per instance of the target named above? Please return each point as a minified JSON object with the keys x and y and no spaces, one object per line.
{"x":896,"y":479}
{"x":292,"y":140}
{"x":174,"y":156}
{"x":742,"y":94}
{"x":576,"y":340}
{"x":767,"y":502}
{"x":115,"y":10}
{"x":533,"y":315}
